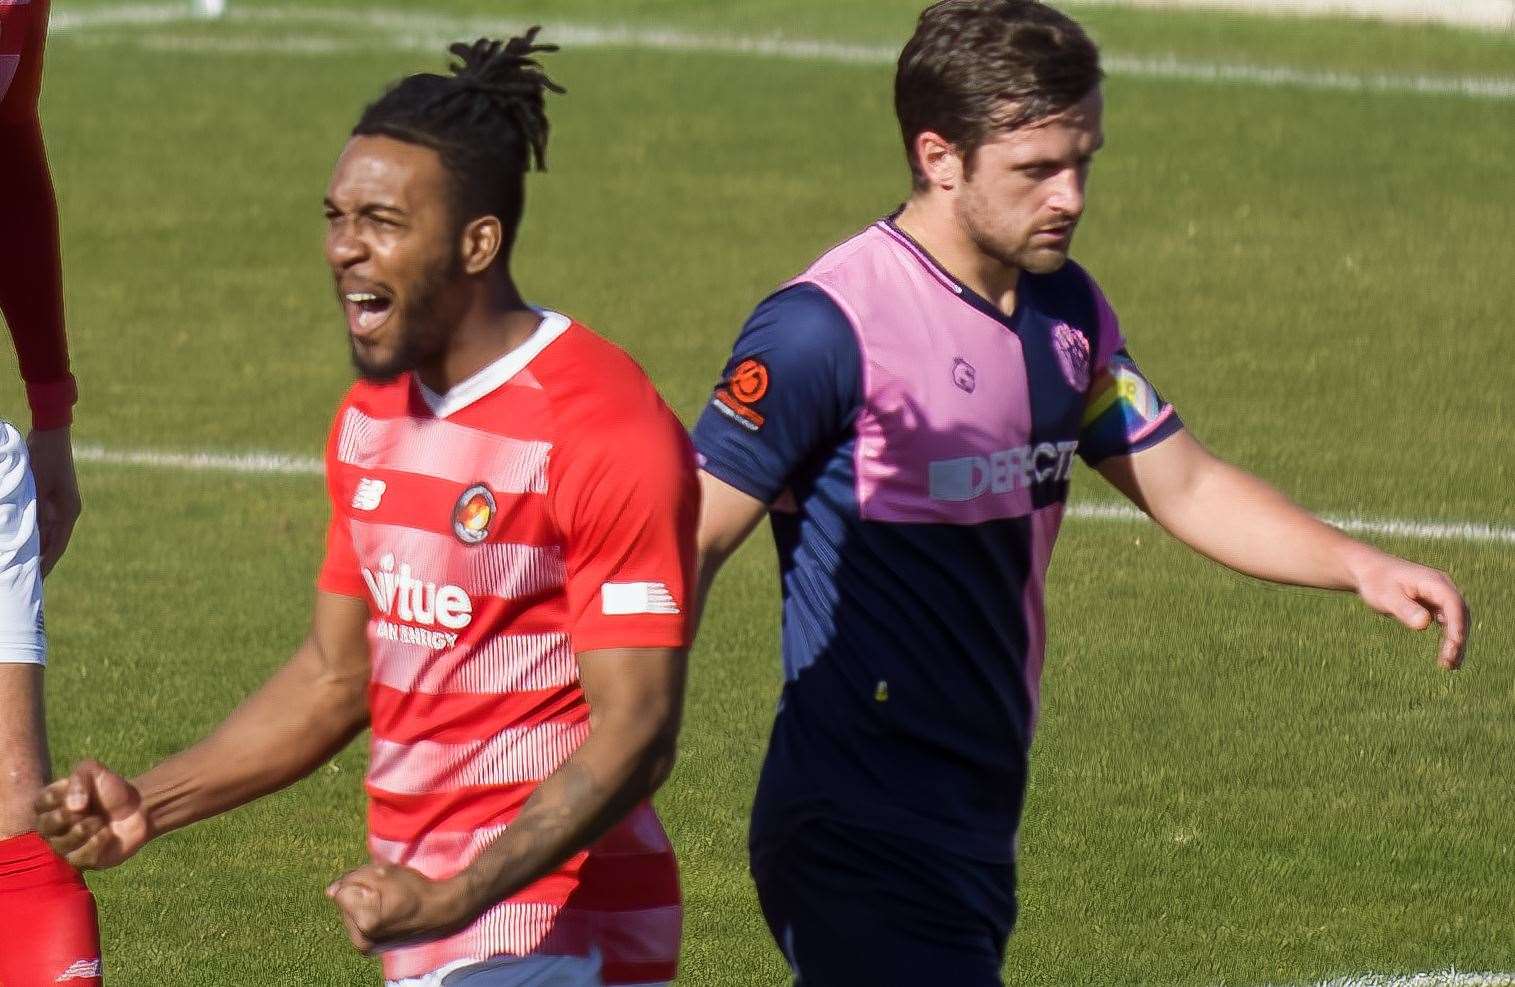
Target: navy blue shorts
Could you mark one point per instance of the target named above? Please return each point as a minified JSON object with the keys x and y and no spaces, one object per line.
{"x":853,"y":906}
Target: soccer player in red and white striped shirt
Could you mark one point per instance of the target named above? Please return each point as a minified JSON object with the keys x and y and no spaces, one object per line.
{"x":505,"y":593}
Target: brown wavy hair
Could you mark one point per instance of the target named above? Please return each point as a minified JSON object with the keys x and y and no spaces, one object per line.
{"x":974,"y":67}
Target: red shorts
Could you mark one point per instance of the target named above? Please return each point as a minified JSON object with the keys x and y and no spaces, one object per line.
{"x":48,"y":919}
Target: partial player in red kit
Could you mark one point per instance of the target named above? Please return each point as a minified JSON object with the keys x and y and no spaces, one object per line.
{"x":46,"y":913}
{"x":505,"y":599}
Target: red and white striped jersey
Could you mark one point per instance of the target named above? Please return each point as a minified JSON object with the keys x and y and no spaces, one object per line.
{"x":542,"y":508}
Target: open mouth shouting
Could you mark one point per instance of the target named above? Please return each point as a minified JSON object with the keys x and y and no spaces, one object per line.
{"x":368,"y":307}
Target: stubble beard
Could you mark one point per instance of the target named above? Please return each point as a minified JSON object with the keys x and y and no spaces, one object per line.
{"x":423,"y":332}
{"x":1020,"y":256}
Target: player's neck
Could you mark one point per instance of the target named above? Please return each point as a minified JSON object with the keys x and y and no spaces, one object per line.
{"x":929,"y":220}
{"x":497,"y":321}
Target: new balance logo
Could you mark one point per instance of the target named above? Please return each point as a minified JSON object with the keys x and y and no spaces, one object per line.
{"x":80,"y":970}
{"x":621,"y":599}
{"x":368,"y":494}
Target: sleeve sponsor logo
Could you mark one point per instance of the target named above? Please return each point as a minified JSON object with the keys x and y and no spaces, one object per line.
{"x":749,"y":381}
{"x":742,"y":388}
{"x":624,"y":599}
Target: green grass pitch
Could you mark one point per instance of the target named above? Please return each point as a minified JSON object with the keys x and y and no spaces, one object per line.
{"x":1232,"y":784}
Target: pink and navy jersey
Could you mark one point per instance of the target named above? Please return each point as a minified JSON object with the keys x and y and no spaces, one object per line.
{"x":915,"y":445}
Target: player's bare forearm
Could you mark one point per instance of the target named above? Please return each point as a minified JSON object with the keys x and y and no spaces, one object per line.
{"x":307,"y":711}
{"x":1236,"y":519}
{"x":727,"y":517}
{"x":634,"y":724}
{"x":298,"y":719}
{"x":635,"y":697}
{"x":583,"y":799}
{"x":23,"y":745}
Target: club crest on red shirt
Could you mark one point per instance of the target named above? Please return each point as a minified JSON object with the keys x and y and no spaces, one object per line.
{"x":472,"y":514}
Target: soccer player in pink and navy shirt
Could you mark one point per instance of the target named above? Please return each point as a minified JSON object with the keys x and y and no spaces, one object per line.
{"x":906,"y":411}
{"x":505,"y":596}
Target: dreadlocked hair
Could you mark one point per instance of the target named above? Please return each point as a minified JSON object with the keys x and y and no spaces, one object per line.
{"x":487,"y":121}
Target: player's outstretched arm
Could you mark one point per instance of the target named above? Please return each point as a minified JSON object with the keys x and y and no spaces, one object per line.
{"x":636,"y":698}
{"x":311,"y":707}
{"x":1236,"y":519}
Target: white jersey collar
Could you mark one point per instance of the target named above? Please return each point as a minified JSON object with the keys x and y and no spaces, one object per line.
{"x":494,"y":375}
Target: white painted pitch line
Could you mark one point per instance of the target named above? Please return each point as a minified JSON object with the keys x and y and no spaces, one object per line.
{"x":1418,"y":530}
{"x":66,"y":21}
{"x":1451,"y":978}
{"x":1486,"y":14}
{"x":402,"y":30}
{"x":256,"y":463}
{"x":281,"y":464}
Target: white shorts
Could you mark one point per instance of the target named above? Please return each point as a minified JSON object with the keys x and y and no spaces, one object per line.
{"x":515,"y":971}
{"x":21,"y":637}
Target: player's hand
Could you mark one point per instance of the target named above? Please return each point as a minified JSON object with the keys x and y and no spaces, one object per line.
{"x":1417,"y":597}
{"x":58,"y":504}
{"x":384,"y":905}
{"x":94,"y":818}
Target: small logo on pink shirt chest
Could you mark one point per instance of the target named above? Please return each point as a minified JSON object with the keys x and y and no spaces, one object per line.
{"x":1072,"y":348}
{"x":963,"y":375}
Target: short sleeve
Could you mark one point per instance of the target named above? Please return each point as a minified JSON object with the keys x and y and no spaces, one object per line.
{"x":626,"y":500}
{"x":339,"y":571}
{"x":21,"y":635}
{"x":792,"y":385}
{"x":1123,"y":413}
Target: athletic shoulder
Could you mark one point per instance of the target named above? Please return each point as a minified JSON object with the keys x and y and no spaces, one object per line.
{"x":805,"y":321}
{"x":598,"y":395}
{"x":861,"y":248}
{"x":792,"y":387}
{"x":618,"y":452}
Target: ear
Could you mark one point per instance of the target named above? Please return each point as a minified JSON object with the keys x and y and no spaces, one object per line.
{"x":938,"y":160}
{"x":480,"y":244}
